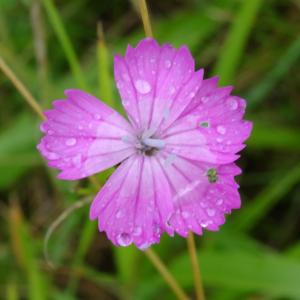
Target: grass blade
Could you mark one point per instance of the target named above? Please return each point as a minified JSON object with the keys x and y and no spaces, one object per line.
{"x":232,"y":51}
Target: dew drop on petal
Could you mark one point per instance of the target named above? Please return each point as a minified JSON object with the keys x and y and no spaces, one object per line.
{"x":192,"y":94}
{"x":232,"y":103}
{"x":71,"y":142}
{"x":185,"y":214}
{"x":137,"y":231}
{"x":52,"y":156}
{"x":124,"y":239}
{"x":97,"y":116}
{"x":119,"y":214}
{"x":172,"y":90}
{"x":221,"y":129}
{"x":168,"y":64}
{"x":211,"y":212}
{"x":142,"y":86}
{"x":77,"y":160}
{"x":219,"y":202}
{"x":144,"y":246}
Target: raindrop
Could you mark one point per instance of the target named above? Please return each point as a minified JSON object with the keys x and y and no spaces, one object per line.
{"x":170,"y":159}
{"x":97,"y":116}
{"x":142,"y":86}
{"x":211,"y":212}
{"x":77,"y":160}
{"x":137,"y":231}
{"x":52,"y":156}
{"x":204,"y":224}
{"x":192,"y":94}
{"x":144,"y":246}
{"x":168,"y":64}
{"x":71,"y":142}
{"x":219,"y":202}
{"x":233,"y":104}
{"x":185,"y":214}
{"x":172,"y":90}
{"x":204,"y":99}
{"x":119,"y":214}
{"x":124,"y":239}
{"x":221,"y":129}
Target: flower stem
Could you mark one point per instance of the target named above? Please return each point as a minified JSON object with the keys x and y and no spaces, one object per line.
{"x":195,"y":266}
{"x":21,"y":88}
{"x":162,"y":269}
{"x":145,"y":17}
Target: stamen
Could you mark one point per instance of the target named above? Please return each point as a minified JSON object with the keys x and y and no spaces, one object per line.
{"x":155,"y":143}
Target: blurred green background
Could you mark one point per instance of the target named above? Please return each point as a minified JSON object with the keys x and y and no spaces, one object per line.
{"x":51,"y":46}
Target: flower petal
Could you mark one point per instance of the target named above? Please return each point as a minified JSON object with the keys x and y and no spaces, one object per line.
{"x":134,"y":204}
{"x":156,"y":83}
{"x":200,"y":202}
{"x":84,"y":136}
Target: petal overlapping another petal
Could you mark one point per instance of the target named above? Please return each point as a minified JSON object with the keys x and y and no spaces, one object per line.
{"x":84,"y":136}
{"x":156,"y":83}
{"x":134,"y":204}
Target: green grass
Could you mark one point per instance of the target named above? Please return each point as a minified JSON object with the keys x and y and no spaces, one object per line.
{"x":252,"y":44}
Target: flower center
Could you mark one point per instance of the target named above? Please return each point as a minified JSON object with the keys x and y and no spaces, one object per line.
{"x":149,"y":146}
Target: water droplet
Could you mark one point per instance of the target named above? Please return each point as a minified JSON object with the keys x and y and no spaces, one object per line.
{"x":80,"y":127}
{"x":170,"y":159}
{"x":204,"y":99}
{"x":219,"y":202}
{"x":168,"y":64}
{"x":97,"y":116}
{"x":172,"y":90}
{"x":152,"y":60}
{"x":221,"y":129}
{"x":142,"y":86}
{"x":119,"y":214}
{"x":43,"y":127}
{"x":185,"y":214}
{"x":52,"y":156}
{"x":232,"y":103}
{"x":125,"y":138}
{"x":144,"y":246}
{"x":71,"y":142}
{"x":125,"y":77}
{"x":124,"y":239}
{"x":137,"y":231}
{"x":77,"y":160}
{"x":50,"y":132}
{"x":211,"y":212}
{"x":204,"y":224}
{"x":192,"y":94}
{"x":219,"y":140}
{"x":166,"y":113}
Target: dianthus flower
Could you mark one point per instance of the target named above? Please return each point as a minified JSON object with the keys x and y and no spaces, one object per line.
{"x":175,"y":152}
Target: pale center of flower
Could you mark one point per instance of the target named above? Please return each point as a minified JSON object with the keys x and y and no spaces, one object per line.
{"x":149,"y":146}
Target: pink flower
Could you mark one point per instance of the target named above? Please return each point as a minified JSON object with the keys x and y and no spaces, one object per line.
{"x":176,"y":152}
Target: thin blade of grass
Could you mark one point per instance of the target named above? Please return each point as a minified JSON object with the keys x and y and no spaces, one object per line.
{"x":65,"y":42}
{"x":251,"y":214}
{"x":280,"y":69}
{"x":25,"y":253}
{"x":235,"y":43}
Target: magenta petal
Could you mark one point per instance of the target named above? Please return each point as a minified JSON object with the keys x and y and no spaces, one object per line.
{"x":198,"y":202}
{"x":155,"y":83}
{"x":134,"y":204}
{"x":84,"y":136}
